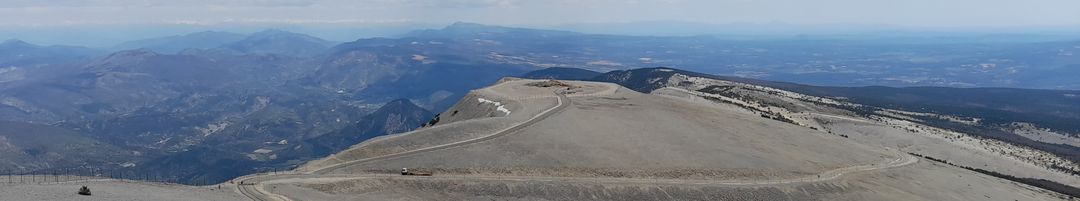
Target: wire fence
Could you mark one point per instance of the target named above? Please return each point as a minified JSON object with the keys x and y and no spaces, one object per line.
{"x":82,"y":175}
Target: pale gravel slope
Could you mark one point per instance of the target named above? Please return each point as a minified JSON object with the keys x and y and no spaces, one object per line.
{"x":923,"y":181}
{"x":115,"y":191}
{"x":632,"y":135}
{"x":468,"y":119}
{"x":629,"y":134}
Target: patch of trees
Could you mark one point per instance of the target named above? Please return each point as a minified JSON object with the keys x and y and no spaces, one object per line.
{"x":991,"y":132}
{"x":715,"y":89}
{"x":1045,"y":108}
{"x":434,"y":120}
{"x":1040,"y":183}
{"x":726,"y":91}
{"x":763,"y":114}
{"x":778,"y":117}
{"x":984,"y":130}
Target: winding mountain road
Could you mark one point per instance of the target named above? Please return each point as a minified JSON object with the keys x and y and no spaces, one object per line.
{"x":254,"y":183}
{"x":253,"y":191}
{"x":563,"y":101}
{"x":826,"y":176}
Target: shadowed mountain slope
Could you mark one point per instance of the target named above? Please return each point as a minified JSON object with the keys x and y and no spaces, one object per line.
{"x":17,"y":53}
{"x":560,"y":73}
{"x":175,"y":44}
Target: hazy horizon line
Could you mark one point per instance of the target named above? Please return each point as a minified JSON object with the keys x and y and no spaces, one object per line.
{"x":46,"y":35}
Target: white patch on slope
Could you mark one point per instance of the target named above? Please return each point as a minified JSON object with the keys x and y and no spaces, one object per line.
{"x":501,"y":107}
{"x":262,"y":151}
{"x":212,"y":128}
{"x":654,"y":80}
{"x":162,"y":141}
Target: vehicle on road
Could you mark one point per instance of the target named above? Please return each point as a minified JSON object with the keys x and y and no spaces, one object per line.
{"x":405,"y":171}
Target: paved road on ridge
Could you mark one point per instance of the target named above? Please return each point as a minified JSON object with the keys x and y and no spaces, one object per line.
{"x":256,"y":193}
{"x":902,"y":160}
{"x":252,"y":191}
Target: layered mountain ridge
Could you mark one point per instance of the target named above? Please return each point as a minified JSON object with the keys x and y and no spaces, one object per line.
{"x":222,"y":105}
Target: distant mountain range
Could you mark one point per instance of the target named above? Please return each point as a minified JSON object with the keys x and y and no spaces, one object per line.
{"x":204,"y":115}
{"x":270,"y":41}
{"x":279,"y":42}
{"x":175,"y":44}
{"x":819,"y":60}
{"x":210,"y":106}
{"x":20,"y":53}
{"x":1015,"y":61}
{"x":191,"y":116}
{"x":270,"y":100}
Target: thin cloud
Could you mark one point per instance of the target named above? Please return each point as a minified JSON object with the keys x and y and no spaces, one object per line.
{"x":256,"y":3}
{"x":928,"y":13}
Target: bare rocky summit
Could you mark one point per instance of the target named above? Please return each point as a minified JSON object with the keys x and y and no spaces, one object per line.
{"x":606,"y":142}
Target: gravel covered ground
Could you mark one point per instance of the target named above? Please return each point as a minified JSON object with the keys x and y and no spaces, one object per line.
{"x":468,"y":119}
{"x":629,"y":134}
{"x":922,"y":181}
{"x":600,"y":142}
{"x":610,"y":142}
{"x":114,"y":190}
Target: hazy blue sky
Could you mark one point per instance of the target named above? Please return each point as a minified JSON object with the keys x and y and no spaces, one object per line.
{"x":931,"y":13}
{"x":55,"y":21}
